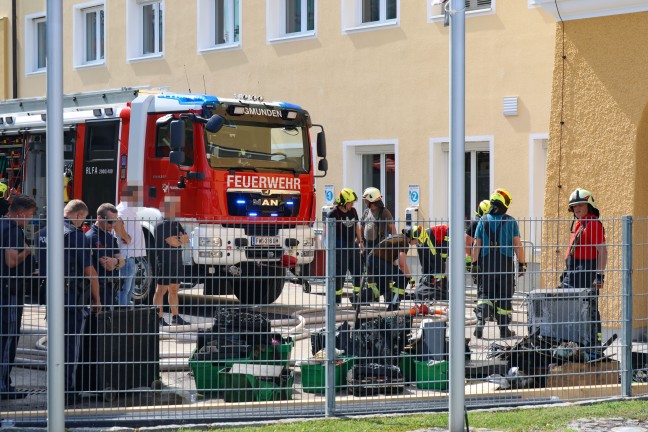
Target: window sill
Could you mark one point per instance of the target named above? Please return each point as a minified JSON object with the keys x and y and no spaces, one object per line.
{"x":222,"y":47}
{"x":90,"y":65}
{"x":157,"y":56}
{"x":36,"y":72}
{"x":378,"y":25}
{"x":292,"y":37}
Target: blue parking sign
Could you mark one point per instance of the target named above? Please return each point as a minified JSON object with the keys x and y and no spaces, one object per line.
{"x":414,"y":196}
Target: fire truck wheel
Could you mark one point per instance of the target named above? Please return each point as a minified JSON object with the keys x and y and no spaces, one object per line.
{"x":144,"y":284}
{"x":259,"y":290}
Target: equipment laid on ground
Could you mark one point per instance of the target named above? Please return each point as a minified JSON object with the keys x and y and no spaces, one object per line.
{"x":561,"y":314}
{"x":243,"y":169}
{"x":120,"y":351}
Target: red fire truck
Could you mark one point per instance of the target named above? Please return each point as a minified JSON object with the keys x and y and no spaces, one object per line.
{"x":243,"y":168}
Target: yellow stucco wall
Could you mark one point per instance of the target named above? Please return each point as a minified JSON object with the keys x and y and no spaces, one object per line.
{"x":388,"y":84}
{"x":600,"y":93}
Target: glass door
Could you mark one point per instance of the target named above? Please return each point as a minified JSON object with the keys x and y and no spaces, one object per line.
{"x":379,"y":170}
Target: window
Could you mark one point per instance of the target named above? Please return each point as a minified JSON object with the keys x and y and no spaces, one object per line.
{"x":152,"y":34}
{"x":478,"y":174}
{"x":89,"y":34}
{"x":35,"y":43}
{"x":369,"y":14}
{"x":436,"y":11}
{"x":378,"y":10}
{"x":101,"y":140}
{"x":476,"y":180}
{"x":290,"y":19}
{"x":372,"y":163}
{"x":379,"y":170}
{"x":145,"y":29}
{"x":219,"y":24}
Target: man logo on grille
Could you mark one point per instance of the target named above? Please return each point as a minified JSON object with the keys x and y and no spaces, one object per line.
{"x":265,"y":192}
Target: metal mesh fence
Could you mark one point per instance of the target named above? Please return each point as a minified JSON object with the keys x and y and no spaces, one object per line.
{"x":206,"y":321}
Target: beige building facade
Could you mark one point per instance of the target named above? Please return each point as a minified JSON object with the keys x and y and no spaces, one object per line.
{"x":598,"y":132}
{"x":374,"y":73}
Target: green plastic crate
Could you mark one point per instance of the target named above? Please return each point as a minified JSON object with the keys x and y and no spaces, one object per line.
{"x":432,"y":377}
{"x":314,"y":375}
{"x":206,"y":373}
{"x":277,"y":354}
{"x":246,"y":387}
{"x":407,"y":365}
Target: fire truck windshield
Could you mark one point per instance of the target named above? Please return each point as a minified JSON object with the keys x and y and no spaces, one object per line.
{"x":258,"y":146}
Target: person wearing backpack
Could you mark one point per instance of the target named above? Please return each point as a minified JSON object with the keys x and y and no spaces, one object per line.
{"x":586,"y":257}
{"x":497,"y":240}
{"x":347,"y":235}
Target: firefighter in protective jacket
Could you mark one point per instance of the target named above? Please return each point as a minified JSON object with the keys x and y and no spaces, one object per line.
{"x":497,"y":239}
{"x":347,"y":236}
{"x":432,"y":246}
{"x":586,"y":257}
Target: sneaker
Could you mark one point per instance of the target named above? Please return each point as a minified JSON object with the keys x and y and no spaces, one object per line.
{"x":163,"y":323}
{"x":177,"y":320}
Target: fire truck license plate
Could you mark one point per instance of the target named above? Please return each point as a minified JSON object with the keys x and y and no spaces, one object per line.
{"x":265,"y":241}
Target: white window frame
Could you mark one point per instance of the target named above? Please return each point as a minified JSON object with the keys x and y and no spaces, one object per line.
{"x":439,"y":166}
{"x":436,"y":13}
{"x":134,"y":30}
{"x":80,"y":33}
{"x":31,"y":43}
{"x":538,"y":144}
{"x":352,"y":17}
{"x":276,"y":22}
{"x":352,"y":152}
{"x":206,"y":29}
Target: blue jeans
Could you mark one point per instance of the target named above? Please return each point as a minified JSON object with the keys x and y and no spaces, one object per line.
{"x":127,"y":275}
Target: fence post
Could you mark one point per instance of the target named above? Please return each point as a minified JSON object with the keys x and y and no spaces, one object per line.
{"x":626,"y":318}
{"x":329,"y":380}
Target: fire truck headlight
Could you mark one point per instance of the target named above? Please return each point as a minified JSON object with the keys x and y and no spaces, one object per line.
{"x":209,"y":241}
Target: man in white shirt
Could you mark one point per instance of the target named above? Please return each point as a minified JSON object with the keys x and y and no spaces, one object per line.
{"x":131,"y":241}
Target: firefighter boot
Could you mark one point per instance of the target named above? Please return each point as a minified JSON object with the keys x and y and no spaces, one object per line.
{"x":503,"y":320}
{"x":481,"y":312}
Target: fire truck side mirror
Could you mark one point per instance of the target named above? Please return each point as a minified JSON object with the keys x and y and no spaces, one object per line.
{"x":322,"y":165}
{"x":215,"y":123}
{"x":177,"y":157}
{"x":177,"y":132}
{"x":321,"y":145}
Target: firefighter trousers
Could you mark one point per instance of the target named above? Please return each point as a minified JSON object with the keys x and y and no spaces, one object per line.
{"x":347,"y":259}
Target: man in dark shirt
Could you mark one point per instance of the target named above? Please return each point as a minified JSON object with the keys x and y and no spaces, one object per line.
{"x":15,"y":265}
{"x":169,"y":238}
{"x":78,"y":269}
{"x":106,"y":255}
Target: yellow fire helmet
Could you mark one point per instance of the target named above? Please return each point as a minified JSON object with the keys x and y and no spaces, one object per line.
{"x":503,"y":196}
{"x":346,"y":196}
{"x":483,"y":208}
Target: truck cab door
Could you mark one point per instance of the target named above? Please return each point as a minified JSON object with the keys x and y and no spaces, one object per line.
{"x":100,"y":155}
